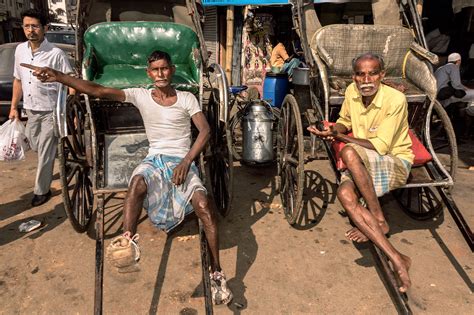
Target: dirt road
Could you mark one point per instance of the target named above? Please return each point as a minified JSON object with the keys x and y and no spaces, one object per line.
{"x":272,"y":268}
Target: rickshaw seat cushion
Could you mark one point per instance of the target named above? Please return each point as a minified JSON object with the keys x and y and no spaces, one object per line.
{"x":117,"y":52}
{"x":337,"y":147}
{"x":422,"y":155}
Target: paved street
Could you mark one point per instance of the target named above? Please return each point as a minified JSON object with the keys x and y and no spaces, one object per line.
{"x":272,"y":268}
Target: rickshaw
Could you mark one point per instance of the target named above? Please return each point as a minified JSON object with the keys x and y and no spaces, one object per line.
{"x":102,"y":141}
{"x":329,"y":51}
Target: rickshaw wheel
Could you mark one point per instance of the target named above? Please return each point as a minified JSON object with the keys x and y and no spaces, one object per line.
{"x":235,"y":128}
{"x":419,"y":203}
{"x":220,"y":160}
{"x":290,"y":157}
{"x":75,"y":171}
{"x":443,"y":139}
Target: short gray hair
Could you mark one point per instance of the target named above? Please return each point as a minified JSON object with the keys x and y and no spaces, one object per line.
{"x":370,"y":56}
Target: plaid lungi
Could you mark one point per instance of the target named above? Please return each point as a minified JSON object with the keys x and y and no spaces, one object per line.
{"x":166,"y":203}
{"x":387,"y":171}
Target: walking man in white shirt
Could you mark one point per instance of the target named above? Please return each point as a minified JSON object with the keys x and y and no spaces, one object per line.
{"x":39,"y":98}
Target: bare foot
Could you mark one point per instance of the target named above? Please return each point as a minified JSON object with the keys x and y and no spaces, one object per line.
{"x":401,"y":272}
{"x":357,"y":236}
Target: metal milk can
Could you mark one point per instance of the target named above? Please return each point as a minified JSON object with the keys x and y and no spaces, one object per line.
{"x":257,"y":129}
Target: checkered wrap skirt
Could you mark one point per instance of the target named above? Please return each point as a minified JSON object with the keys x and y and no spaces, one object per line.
{"x":166,"y":203}
{"x":387,"y":171}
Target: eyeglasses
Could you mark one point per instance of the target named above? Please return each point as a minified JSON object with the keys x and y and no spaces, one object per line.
{"x":32,"y":26}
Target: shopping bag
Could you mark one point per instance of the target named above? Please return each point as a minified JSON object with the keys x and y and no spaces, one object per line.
{"x":13,"y":142}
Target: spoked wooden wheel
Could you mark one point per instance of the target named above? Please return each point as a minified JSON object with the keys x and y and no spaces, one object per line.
{"x":290,"y":151}
{"x":420,"y":203}
{"x":443,"y":139}
{"x":235,"y":128}
{"x":74,"y":169}
{"x":220,"y":159}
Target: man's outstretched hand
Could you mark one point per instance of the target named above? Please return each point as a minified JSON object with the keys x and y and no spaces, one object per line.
{"x":44,"y":74}
{"x":328,"y":133}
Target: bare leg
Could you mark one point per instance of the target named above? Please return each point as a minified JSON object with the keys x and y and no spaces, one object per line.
{"x":208,"y":217}
{"x":132,"y":206}
{"x":123,"y":252}
{"x":369,"y":226}
{"x":364,"y":184}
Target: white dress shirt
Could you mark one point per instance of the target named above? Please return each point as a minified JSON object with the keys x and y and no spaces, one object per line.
{"x":37,"y":95}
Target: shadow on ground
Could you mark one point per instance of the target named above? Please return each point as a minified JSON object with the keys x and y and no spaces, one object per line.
{"x":51,"y":219}
{"x":250,"y":205}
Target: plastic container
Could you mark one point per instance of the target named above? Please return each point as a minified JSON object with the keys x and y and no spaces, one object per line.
{"x":275,"y":88}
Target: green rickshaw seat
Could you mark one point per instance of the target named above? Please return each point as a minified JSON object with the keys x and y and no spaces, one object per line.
{"x":117,"y":52}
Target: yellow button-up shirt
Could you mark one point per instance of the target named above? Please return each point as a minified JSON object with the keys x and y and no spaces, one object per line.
{"x":384,"y":122}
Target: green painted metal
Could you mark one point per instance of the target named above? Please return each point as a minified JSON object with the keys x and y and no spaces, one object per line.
{"x":116,"y":53}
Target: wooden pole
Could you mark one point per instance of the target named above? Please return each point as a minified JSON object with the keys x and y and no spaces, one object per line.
{"x":221,"y":59}
{"x":229,"y":42}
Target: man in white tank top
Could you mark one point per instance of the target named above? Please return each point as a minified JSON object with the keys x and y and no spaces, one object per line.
{"x":166,"y":183}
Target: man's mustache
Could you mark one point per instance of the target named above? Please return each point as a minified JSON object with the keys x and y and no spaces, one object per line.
{"x":367,"y":85}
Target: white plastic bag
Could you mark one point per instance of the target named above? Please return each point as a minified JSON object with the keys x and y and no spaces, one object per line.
{"x":13,"y":142}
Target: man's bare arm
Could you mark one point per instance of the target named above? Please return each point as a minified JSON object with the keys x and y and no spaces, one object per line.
{"x":45,"y":74}
{"x":181,"y":171}
{"x":198,"y":146}
{"x":16,"y":97}
{"x":348,"y":139}
{"x":338,"y":132}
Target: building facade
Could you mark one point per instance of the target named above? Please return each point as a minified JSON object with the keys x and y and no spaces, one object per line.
{"x":64,"y":9}
{"x":10,"y":18}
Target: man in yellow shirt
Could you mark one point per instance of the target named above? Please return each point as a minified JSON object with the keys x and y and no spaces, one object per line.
{"x":378,"y":156}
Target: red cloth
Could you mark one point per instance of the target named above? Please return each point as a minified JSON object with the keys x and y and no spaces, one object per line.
{"x":422,"y":155}
{"x":337,"y":148}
